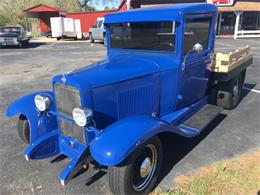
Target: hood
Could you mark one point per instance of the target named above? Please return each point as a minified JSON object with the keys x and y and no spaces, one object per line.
{"x":113,"y":70}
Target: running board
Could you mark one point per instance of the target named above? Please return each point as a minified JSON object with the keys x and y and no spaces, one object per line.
{"x":198,"y":121}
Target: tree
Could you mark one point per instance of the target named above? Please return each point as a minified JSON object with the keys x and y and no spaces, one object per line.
{"x":84,"y":5}
{"x":11,"y":11}
{"x":68,"y":5}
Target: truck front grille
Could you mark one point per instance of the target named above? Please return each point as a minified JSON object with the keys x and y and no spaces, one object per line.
{"x":68,"y":98}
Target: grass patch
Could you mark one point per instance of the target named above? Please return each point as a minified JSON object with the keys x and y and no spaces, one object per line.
{"x":240,"y":175}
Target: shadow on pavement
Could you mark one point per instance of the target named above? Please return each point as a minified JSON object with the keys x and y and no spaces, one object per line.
{"x":58,"y":158}
{"x":176,"y":147}
{"x":246,"y":90}
{"x":29,"y":46}
{"x":95,"y":177}
{"x":32,"y":45}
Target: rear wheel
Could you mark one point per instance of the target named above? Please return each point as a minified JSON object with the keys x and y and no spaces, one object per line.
{"x":140,"y":174}
{"x":105,"y":40}
{"x":91,"y":38}
{"x":24,"y":129}
{"x":229,"y":94}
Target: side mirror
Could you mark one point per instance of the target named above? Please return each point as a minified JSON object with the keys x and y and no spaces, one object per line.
{"x":197,"y":47}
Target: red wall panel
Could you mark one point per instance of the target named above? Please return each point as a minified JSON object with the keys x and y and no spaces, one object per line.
{"x":45,"y":23}
{"x":90,"y":18}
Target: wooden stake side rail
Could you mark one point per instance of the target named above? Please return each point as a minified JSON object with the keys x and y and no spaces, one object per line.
{"x":227,"y":62}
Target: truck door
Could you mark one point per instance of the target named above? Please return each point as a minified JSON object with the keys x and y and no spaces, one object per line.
{"x":194,"y":74}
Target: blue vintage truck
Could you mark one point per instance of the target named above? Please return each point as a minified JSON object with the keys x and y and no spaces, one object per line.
{"x":161,"y":75}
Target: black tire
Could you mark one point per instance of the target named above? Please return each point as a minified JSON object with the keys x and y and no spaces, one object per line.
{"x":91,"y":38}
{"x":229,"y":93}
{"x":128,"y":178}
{"x":24,"y":129}
{"x":20,"y":45}
{"x":105,"y":40}
{"x":58,"y":38}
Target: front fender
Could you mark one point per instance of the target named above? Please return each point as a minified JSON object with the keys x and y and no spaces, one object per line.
{"x":115,"y":143}
{"x":40,"y":123}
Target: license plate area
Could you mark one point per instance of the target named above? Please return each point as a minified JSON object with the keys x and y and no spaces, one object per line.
{"x":71,"y":129}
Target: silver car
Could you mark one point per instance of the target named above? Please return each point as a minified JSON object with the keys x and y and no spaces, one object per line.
{"x":97,"y":32}
{"x":13,"y":35}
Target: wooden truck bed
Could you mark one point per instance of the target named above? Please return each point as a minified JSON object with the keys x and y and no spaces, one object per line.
{"x":226,"y":66}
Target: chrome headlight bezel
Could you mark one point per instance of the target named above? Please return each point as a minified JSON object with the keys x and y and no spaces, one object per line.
{"x":42,"y":102}
{"x":82,"y":116}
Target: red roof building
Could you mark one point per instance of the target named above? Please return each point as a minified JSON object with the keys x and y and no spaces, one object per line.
{"x":45,"y":12}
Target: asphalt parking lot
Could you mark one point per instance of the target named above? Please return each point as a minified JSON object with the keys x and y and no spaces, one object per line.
{"x":31,"y":69}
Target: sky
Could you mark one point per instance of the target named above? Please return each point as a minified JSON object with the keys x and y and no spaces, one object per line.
{"x":101,"y":4}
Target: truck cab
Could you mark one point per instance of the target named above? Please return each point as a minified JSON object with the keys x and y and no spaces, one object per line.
{"x":159,"y":77}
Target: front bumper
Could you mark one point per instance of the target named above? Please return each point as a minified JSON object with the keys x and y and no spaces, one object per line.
{"x":9,"y":42}
{"x":54,"y":143}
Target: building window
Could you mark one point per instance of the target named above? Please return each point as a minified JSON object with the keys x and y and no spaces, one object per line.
{"x":251,"y":21}
{"x":196,"y":31}
{"x":228,"y":21}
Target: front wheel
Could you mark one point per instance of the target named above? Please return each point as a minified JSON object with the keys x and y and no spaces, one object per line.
{"x":20,"y":44}
{"x":24,"y":129}
{"x":91,"y":38}
{"x":140,"y":174}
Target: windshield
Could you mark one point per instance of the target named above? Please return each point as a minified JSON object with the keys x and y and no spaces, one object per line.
{"x":10,"y":30}
{"x":143,"y":35}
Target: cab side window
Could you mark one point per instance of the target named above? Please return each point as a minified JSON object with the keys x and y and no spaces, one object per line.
{"x":196,"y":31}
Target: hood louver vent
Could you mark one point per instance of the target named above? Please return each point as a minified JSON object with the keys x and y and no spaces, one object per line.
{"x":135,"y":101}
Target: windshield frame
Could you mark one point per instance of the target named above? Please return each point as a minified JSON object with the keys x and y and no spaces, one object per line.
{"x":168,"y":52}
{"x":10,"y":27}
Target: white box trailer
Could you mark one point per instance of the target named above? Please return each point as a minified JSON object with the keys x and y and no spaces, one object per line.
{"x":65,"y":28}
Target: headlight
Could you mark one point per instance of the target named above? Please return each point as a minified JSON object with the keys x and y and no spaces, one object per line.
{"x":42,"y":102}
{"x":82,"y":116}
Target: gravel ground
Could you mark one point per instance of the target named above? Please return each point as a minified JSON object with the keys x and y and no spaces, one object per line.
{"x":31,"y":69}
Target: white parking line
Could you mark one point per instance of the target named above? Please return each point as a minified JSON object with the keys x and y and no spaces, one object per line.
{"x":53,"y":44}
{"x":253,"y":90}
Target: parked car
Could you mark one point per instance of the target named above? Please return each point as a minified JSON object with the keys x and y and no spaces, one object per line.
{"x":161,"y":76}
{"x":97,"y":32}
{"x":13,"y":35}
